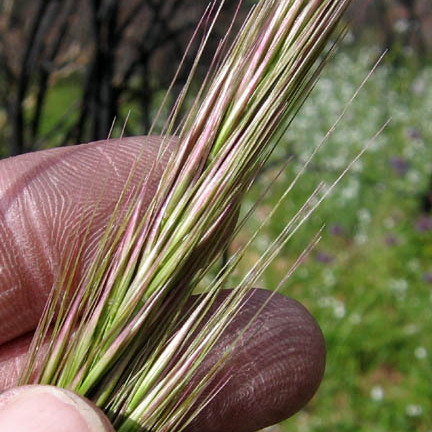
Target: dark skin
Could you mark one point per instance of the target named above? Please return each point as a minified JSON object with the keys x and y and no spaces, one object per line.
{"x":45,"y":200}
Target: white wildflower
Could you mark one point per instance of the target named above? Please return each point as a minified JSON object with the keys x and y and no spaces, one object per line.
{"x":414,"y":410}
{"x":420,"y":352}
{"x":377,"y":393}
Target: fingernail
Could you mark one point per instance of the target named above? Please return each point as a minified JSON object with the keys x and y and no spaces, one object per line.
{"x":49,"y":409}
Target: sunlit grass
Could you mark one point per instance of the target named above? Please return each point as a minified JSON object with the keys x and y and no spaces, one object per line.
{"x":122,"y":340}
{"x":369,"y":281}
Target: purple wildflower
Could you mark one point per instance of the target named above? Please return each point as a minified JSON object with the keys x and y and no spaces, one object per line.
{"x":399,"y":165}
{"x":323,"y":257}
{"x":423,"y":223}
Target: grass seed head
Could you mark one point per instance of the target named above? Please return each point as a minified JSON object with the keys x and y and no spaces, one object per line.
{"x":118,"y":340}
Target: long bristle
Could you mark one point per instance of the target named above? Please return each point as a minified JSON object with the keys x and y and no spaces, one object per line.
{"x":118,"y":340}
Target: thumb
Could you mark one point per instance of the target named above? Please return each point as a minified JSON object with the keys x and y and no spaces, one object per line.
{"x":49,"y":409}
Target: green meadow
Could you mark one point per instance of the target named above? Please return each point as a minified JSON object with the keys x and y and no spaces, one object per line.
{"x":369,"y":280}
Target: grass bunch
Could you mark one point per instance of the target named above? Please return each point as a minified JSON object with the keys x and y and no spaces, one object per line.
{"x":130,"y":337}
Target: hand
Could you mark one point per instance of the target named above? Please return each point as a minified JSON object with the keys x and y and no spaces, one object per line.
{"x":49,"y":409}
{"x":46,"y":200}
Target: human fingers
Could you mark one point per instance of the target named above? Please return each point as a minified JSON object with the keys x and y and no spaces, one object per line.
{"x":49,"y":409}
{"x":272,"y":373}
{"x":21,"y":196}
{"x":275,"y":368}
{"x":47,"y":200}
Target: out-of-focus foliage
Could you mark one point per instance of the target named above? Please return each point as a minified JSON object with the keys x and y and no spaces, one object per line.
{"x":69,"y":68}
{"x":402,"y":25}
{"x":369,"y":281}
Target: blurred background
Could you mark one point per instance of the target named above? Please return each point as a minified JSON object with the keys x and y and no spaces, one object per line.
{"x":68,"y":68}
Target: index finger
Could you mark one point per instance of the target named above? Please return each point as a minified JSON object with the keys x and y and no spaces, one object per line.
{"x":47,"y":199}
